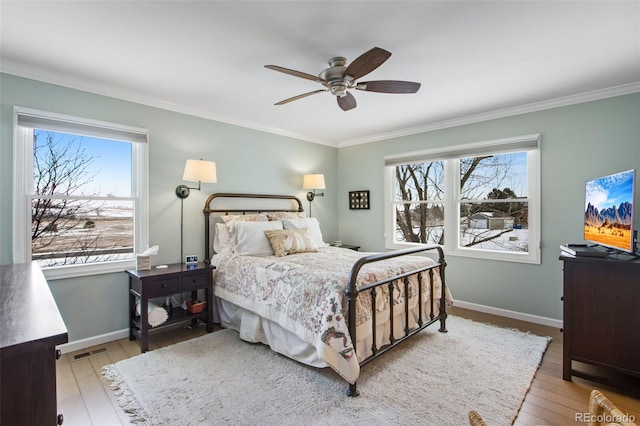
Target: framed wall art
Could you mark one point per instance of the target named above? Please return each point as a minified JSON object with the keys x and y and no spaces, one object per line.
{"x":358,"y":200}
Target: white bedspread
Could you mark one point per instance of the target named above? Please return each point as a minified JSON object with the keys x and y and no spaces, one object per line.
{"x":305,"y":294}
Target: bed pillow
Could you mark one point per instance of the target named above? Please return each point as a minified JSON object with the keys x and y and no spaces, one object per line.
{"x":310,"y":223}
{"x":222,"y":240}
{"x":251,"y":239}
{"x":231,"y":219}
{"x":289,"y":241}
{"x":284,"y":215}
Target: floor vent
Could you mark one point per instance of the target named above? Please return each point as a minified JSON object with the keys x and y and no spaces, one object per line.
{"x":82,"y":355}
{"x":89,"y":353}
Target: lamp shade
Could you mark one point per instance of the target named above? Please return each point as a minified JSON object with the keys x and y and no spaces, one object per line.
{"x":314,"y":181}
{"x":200,"y":171}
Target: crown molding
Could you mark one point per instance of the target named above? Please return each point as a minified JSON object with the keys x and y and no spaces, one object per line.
{"x":59,"y":79}
{"x":594,"y":95}
{"x":47,"y":76}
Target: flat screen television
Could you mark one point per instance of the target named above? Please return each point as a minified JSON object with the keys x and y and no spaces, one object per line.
{"x":608,"y":214}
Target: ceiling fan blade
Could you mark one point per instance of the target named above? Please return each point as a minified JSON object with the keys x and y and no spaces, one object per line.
{"x":389,"y":86}
{"x":347,"y":102}
{"x":295,"y":73}
{"x":304,"y":95}
{"x":367,"y":62}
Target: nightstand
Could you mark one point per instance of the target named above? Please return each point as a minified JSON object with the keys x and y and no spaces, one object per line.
{"x":346,"y":246}
{"x":175,"y":279}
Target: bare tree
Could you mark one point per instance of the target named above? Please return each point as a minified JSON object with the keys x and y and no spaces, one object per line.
{"x":417,"y":183}
{"x":423,"y":222}
{"x":60,"y":170}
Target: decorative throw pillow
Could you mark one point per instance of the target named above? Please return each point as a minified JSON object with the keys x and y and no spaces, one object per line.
{"x":290,"y":241}
{"x":310,"y":223}
{"x":284,"y":215}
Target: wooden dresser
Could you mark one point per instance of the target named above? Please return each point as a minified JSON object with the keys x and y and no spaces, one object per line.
{"x":601,"y":316}
{"x":31,"y":328}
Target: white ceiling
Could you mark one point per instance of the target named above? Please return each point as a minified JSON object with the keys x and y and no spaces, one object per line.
{"x":206,"y":58}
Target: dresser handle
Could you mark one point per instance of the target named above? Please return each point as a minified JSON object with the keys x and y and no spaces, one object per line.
{"x":163,"y":286}
{"x":58,"y":353}
{"x":60,"y":419}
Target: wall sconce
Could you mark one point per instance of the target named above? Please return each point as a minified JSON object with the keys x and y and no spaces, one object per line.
{"x":314,"y":181}
{"x":194,"y":171}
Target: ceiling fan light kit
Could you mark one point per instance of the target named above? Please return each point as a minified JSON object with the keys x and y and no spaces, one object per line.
{"x":339,"y":78}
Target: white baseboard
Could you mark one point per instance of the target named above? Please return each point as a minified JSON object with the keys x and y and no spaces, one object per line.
{"x":509,"y":314}
{"x":77,"y":345}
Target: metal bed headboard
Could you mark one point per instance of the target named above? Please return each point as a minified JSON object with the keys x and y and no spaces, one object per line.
{"x":208,"y":210}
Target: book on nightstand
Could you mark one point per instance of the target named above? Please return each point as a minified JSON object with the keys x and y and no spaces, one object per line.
{"x":583,"y":250}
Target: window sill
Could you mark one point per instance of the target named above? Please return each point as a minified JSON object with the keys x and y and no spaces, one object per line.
{"x":72,"y":271}
{"x":529,"y":258}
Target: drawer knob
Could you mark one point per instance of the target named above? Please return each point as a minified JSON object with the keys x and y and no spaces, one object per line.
{"x":58,"y":353}
{"x":60,"y":419}
{"x":163,"y":286}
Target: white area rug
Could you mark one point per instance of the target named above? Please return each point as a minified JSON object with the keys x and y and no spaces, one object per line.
{"x":433,"y":379}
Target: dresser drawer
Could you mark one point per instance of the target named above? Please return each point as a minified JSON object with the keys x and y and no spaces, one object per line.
{"x":162,"y":287}
{"x":194,"y":281}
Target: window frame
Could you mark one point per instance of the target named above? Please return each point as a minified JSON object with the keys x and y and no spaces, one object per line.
{"x":23,"y":185}
{"x":451,"y":156}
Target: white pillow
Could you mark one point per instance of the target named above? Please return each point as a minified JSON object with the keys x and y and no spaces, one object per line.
{"x":311,"y":223}
{"x":251,"y":239}
{"x":231,"y":219}
{"x":222,"y":239}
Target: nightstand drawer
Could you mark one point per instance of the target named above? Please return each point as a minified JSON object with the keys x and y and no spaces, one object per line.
{"x":194,"y":281}
{"x":162,"y":287}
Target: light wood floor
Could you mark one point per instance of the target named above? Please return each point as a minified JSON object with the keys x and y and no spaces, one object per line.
{"x":84,"y":396}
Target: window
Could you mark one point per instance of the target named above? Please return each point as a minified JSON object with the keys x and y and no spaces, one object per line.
{"x":479,"y":200}
{"x":80,"y":193}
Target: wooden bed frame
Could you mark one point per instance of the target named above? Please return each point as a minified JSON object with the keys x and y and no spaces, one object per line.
{"x":352,"y":290}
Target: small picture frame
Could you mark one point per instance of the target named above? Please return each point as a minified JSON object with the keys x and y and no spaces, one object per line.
{"x":358,"y":200}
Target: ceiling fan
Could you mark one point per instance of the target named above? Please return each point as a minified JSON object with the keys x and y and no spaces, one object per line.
{"x":339,"y":78}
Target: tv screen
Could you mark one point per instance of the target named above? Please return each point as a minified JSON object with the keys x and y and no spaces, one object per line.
{"x":608,"y":215}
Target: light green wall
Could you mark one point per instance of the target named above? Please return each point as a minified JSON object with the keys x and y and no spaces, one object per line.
{"x":578,"y":143}
{"x":247,"y":161}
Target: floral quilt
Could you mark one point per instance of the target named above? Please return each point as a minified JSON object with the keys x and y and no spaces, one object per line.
{"x":305,"y":294}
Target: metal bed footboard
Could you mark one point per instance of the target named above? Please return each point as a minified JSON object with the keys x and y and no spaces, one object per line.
{"x":353,"y":291}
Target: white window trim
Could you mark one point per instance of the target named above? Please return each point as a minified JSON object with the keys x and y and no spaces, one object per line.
{"x":529,"y":143}
{"x":23,"y":182}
